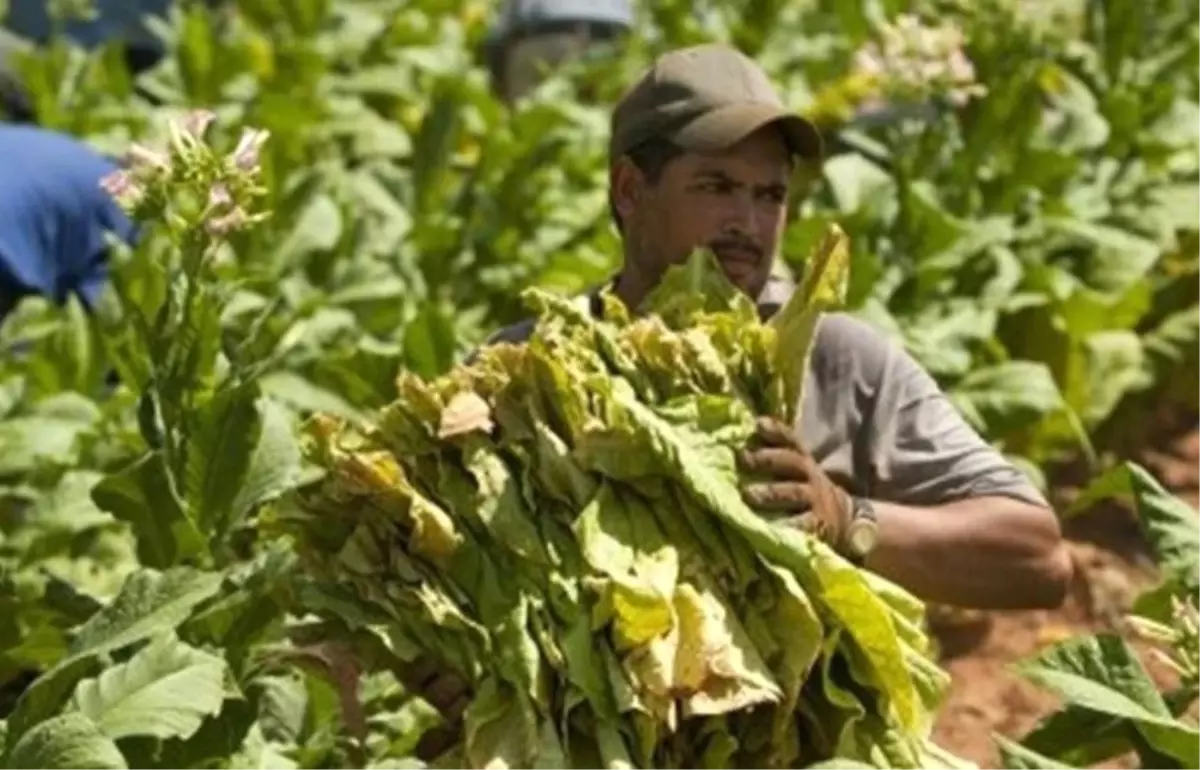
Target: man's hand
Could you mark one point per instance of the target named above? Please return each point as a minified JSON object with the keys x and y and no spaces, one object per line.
{"x":793,"y":484}
{"x":445,"y":692}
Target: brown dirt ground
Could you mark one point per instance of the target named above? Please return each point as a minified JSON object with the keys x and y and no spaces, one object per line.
{"x":1111,"y":566}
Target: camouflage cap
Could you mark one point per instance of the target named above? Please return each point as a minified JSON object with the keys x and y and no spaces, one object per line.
{"x":706,"y":98}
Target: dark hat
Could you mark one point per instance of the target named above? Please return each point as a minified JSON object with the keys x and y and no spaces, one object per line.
{"x":706,"y":98}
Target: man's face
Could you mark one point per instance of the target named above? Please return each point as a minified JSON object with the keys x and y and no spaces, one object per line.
{"x":734,"y":202}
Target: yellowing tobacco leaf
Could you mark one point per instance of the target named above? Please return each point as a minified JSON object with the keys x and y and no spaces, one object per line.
{"x":822,"y":288}
{"x":467,"y":412}
{"x":716,"y":663}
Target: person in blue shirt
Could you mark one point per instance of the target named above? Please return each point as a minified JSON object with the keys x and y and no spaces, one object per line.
{"x":54,"y":217}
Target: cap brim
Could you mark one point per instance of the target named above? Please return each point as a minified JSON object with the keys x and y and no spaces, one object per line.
{"x":724,"y":127}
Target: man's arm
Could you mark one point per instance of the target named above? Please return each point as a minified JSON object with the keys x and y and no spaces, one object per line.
{"x":981,"y":552}
{"x":958,"y":523}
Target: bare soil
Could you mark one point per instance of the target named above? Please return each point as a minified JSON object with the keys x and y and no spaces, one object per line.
{"x":1112,"y":565}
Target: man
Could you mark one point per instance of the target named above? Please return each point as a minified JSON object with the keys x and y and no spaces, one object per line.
{"x":880,"y":465}
{"x":54,"y":217}
{"x":531,"y":37}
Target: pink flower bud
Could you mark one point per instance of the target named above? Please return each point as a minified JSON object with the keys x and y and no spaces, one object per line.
{"x":226,"y":223}
{"x":120,"y":185}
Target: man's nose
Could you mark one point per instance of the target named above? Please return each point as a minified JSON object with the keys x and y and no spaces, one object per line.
{"x":741,"y":216}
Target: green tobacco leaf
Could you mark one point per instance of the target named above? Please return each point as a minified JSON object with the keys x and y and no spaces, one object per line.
{"x":1013,"y":390}
{"x":697,"y":285}
{"x":282,"y":707}
{"x":1168,"y":523}
{"x":303,"y":395}
{"x":29,"y":442}
{"x":150,"y":603}
{"x":1114,"y":365}
{"x":857,"y":182}
{"x":434,"y":144}
{"x":67,"y":741}
{"x":248,"y":604}
{"x":144,"y":495}
{"x":822,"y":288}
{"x":225,"y":435}
{"x":1102,"y":674}
{"x":218,"y":738}
{"x":165,"y":691}
{"x":47,"y":694}
{"x":500,"y":728}
{"x":1120,"y":258}
{"x":430,"y":341}
{"x":1018,"y":757}
{"x":1080,"y":737}
{"x":275,"y":464}
{"x":1176,"y":336}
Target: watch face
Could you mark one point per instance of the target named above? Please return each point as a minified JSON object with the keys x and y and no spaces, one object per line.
{"x":862,"y":538}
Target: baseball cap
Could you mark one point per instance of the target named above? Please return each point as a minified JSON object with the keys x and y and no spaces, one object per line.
{"x":706,"y":98}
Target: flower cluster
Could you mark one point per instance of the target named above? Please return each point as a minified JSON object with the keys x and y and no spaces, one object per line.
{"x":912,"y":61}
{"x":188,"y":183}
{"x":1182,"y":638}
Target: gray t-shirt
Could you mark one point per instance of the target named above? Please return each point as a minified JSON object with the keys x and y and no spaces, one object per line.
{"x":878,"y":423}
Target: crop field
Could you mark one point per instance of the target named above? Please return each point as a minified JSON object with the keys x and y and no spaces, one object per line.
{"x":244,"y":491}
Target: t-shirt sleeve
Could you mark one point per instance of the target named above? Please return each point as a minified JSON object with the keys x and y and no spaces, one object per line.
{"x":922,"y":451}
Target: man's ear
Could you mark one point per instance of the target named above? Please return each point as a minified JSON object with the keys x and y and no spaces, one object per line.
{"x":627,"y":183}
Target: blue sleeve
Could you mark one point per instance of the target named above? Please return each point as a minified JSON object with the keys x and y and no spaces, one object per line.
{"x":54,"y":216}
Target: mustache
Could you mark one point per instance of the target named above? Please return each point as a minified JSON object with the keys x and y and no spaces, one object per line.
{"x":740,"y":244}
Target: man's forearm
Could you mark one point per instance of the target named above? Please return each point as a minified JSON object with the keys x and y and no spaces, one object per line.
{"x":985,"y":553}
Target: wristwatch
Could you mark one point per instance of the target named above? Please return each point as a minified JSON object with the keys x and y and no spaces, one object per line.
{"x":863,"y":530}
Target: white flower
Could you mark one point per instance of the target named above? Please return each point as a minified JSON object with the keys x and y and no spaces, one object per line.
{"x":913,"y":61}
{"x":219,"y":195}
{"x":196,"y":122}
{"x":245,"y":155}
{"x":142,"y":158}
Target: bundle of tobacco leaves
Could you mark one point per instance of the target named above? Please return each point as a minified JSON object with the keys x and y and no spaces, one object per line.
{"x":560,"y":524}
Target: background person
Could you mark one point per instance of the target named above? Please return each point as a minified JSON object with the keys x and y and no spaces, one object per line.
{"x":54,"y":217}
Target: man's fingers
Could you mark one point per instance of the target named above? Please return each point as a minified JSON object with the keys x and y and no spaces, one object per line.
{"x":778,"y":496}
{"x":805,"y":522}
{"x":420,"y":672}
{"x":782,"y":464}
{"x":445,"y":692}
{"x":773,"y":432}
{"x":436,"y":741}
